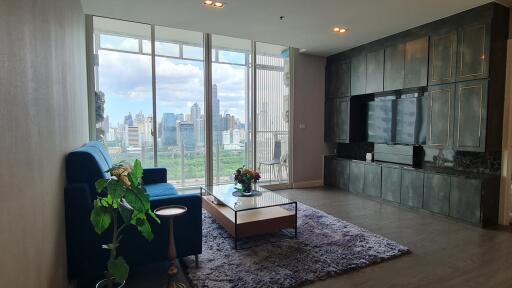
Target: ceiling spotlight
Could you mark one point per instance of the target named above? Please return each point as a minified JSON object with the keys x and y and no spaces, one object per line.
{"x":340,"y":30}
{"x":214,"y":4}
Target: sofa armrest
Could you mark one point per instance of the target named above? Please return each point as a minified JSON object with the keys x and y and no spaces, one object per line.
{"x":154,"y":175}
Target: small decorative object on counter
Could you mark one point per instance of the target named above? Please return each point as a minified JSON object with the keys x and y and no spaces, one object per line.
{"x":245,"y":178}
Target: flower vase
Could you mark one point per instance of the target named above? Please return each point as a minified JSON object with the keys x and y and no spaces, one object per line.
{"x":247,"y":189}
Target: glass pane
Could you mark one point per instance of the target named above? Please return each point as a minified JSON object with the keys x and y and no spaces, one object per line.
{"x":123,"y":87}
{"x":230,"y":110}
{"x":146,"y":46}
{"x":180,"y":109}
{"x":119,"y":43}
{"x":272,"y":111}
{"x":232,"y":57}
{"x":167,"y":49}
{"x":193,"y":52}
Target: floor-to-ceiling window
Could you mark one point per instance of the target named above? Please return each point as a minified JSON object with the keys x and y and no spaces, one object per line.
{"x":230,"y":99}
{"x":272,"y":111}
{"x":123,"y":79}
{"x":179,"y":68}
{"x":156,"y":110}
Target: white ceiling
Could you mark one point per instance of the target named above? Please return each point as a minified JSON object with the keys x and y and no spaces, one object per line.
{"x":307,"y":24}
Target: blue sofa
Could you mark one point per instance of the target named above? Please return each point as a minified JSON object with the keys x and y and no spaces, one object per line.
{"x":86,"y":258}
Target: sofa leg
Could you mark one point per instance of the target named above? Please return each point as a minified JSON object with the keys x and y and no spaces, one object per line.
{"x":197,"y":260}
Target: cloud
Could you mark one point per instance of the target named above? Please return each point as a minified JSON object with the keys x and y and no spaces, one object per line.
{"x":179,"y":83}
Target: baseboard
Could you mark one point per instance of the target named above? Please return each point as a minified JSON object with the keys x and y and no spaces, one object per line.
{"x":308,"y":184}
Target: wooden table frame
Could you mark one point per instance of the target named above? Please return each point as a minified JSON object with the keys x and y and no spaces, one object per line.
{"x":251,"y":222}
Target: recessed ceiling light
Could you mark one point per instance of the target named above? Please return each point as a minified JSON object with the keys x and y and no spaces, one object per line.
{"x":214,"y":4}
{"x":340,"y":30}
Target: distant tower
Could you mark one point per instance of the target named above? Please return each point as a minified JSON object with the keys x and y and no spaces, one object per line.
{"x":195,"y":118}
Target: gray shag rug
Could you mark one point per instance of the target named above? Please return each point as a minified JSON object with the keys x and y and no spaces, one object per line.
{"x":326,"y":247}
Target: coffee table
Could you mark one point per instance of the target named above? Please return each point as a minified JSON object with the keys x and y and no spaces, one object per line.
{"x":249,"y":216}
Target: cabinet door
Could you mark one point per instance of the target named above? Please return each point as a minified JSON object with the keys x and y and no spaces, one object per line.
{"x":465,"y":199}
{"x":342,"y":117}
{"x":391,"y":183}
{"x":343,"y":172}
{"x":436,"y":193}
{"x":372,"y":180}
{"x":394,"y":67}
{"x":338,"y":79}
{"x":416,"y":63}
{"x":443,"y":53}
{"x":412,"y":188}
{"x":473,"y":52}
{"x":375,"y":71}
{"x":440,"y":107}
{"x":358,"y":75}
{"x":330,"y":121}
{"x":330,"y":171}
{"x":356,"y":177}
{"x":471,"y":115}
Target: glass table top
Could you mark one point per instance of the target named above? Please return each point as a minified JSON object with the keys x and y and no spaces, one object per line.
{"x":224,"y":193}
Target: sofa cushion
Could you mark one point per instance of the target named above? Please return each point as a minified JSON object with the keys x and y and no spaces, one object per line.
{"x":159,"y":190}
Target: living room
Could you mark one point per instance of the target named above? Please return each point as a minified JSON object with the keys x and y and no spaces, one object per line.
{"x":256,"y":143}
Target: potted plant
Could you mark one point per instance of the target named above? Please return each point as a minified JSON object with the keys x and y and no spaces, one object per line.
{"x":245,"y":177}
{"x":122,"y":201}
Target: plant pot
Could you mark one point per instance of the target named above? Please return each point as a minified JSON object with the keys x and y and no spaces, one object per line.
{"x":104,"y":284}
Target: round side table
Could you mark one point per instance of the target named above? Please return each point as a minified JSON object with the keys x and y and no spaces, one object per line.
{"x":170,"y":212}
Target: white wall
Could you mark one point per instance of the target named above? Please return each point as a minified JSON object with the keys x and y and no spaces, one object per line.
{"x":308,"y":109}
{"x":43,"y":115}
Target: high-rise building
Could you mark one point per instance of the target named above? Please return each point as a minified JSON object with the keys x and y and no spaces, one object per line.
{"x":185,"y":136}
{"x":139,"y":118}
{"x":195,"y":118}
{"x":132,"y":137}
{"x":128,"y":120}
{"x":216,"y":118}
{"x":168,"y":126}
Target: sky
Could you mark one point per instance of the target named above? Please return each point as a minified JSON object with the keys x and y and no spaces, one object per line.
{"x":125,"y":79}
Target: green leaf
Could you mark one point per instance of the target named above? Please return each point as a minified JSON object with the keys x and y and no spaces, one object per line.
{"x":137,"y":199}
{"x":116,"y":190}
{"x":126,"y":213}
{"x":154,"y":216}
{"x":137,"y":170}
{"x":118,"y":268}
{"x":142,"y":224}
{"x":100,"y":217}
{"x":101,"y":184}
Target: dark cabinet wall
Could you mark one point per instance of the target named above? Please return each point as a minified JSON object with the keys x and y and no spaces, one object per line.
{"x":338,"y":79}
{"x":391,"y":183}
{"x":436,"y":193}
{"x":342,"y":119}
{"x":375,"y":71}
{"x":440,"y":107}
{"x":416,"y":63}
{"x":473,"y":52}
{"x":412,"y":188}
{"x":394,"y":57}
{"x":356,"y":177}
{"x":443,"y":58}
{"x":330,"y":172}
{"x":358,"y":75}
{"x":465,"y":198}
{"x":471,"y":115}
{"x":372,"y":180}
{"x":330,"y":120}
{"x":343,"y":177}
